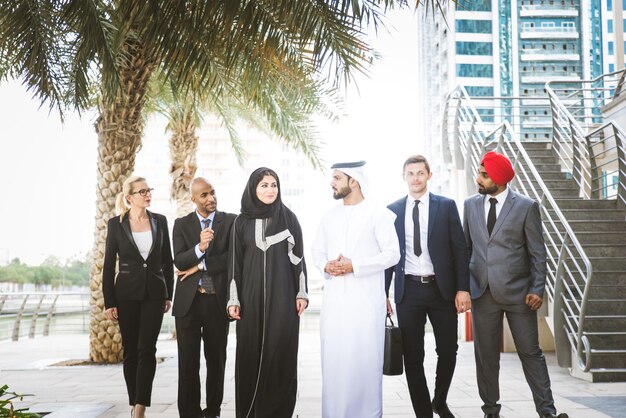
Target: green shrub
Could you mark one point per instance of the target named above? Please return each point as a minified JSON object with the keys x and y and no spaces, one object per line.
{"x":7,"y":409}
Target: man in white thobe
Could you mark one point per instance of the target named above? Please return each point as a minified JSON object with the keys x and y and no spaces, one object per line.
{"x":355,"y":243}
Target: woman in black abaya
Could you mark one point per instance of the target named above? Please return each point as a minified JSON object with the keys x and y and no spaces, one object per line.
{"x":268,"y":293}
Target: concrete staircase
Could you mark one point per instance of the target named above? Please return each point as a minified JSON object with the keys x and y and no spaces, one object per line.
{"x":601,"y":229}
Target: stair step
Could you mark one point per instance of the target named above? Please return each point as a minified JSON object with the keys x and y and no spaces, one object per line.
{"x":541,"y":157}
{"x":608,"y":359}
{"x":607,"y":342}
{"x":558,"y":192}
{"x":606,"y":323}
{"x":604,"y":278}
{"x":591,"y":214}
{"x":579,"y":203}
{"x":552,"y":175}
{"x":617,"y":264}
{"x":607,"y":291}
{"x":605,"y":250}
{"x":606,"y":307}
{"x":596,"y":225}
{"x":560,"y":184}
{"x":541,"y":167}
{"x":605,"y":237}
{"x":611,"y":375}
{"x":534,"y":145}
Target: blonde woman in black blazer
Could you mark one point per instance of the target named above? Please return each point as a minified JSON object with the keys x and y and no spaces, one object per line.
{"x":142,"y":290}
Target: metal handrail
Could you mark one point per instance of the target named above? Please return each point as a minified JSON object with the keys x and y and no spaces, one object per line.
{"x":36,"y":314}
{"x":567,"y":260}
{"x":588,"y":146}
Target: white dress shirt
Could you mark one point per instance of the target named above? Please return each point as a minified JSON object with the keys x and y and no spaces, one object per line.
{"x":501,"y":199}
{"x":414,"y":265}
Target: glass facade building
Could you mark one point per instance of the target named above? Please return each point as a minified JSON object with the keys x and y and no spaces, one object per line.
{"x":512,"y":48}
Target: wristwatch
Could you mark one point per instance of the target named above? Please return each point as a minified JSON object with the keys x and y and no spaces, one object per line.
{"x":200,"y":266}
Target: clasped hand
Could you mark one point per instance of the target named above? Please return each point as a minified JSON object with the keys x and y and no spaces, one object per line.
{"x":339,"y":266}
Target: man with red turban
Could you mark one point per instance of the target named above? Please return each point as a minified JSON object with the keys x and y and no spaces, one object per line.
{"x":507,"y":276}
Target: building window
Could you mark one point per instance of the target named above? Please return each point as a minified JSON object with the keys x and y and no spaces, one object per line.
{"x":609,"y":5}
{"x":474,"y":5}
{"x":474,"y":70}
{"x":473,"y":26}
{"x":476,"y":91}
{"x":611,"y":48}
{"x":611,"y":68}
{"x":474,"y":48}
{"x":609,"y":26}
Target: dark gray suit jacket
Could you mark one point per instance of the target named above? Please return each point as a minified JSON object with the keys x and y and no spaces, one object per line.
{"x":186,"y":235}
{"x":513,"y":260}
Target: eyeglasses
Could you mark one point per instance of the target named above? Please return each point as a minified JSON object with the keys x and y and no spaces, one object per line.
{"x":143,"y":192}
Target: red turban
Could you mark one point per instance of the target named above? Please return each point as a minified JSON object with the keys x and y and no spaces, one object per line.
{"x":498,"y":167}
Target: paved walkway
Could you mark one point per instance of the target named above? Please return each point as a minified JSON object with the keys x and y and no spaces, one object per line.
{"x":27,"y":366}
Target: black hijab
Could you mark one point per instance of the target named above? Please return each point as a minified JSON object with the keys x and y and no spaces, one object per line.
{"x":253,"y":208}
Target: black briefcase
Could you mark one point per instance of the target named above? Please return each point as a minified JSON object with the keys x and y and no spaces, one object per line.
{"x":392,"y":365}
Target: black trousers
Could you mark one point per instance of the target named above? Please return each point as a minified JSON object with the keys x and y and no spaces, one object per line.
{"x":206,"y":321}
{"x":423,"y":300}
{"x":140,"y":324}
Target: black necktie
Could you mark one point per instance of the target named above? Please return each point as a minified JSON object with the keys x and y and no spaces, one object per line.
{"x":417,"y":242}
{"x":206,"y":223}
{"x":491,"y":217}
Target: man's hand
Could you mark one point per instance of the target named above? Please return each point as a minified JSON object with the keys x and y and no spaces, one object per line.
{"x":186,"y":273}
{"x":234,"y":312}
{"x":333,"y":267}
{"x":346,"y":263}
{"x":462,"y":301}
{"x":167,"y":305}
{"x":206,"y":236}
{"x":301,"y":305}
{"x":389,"y":307}
{"x":111,"y":313}
{"x":534,"y":302}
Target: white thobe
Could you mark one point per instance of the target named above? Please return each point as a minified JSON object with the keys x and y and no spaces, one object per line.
{"x":354,"y":307}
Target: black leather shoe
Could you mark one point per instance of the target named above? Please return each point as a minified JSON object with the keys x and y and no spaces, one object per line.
{"x":443,"y":411}
{"x":492,"y":415}
{"x":555,"y":416}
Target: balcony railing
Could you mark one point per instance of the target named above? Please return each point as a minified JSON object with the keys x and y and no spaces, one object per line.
{"x":555,"y":29}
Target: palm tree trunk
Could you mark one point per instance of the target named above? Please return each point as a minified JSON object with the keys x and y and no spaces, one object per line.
{"x":119,"y":128}
{"x":183,"y":150}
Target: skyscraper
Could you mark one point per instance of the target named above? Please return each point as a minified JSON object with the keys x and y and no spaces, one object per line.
{"x":512,"y":48}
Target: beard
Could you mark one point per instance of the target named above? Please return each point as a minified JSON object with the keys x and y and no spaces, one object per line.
{"x":341,"y":193}
{"x":487,"y":190}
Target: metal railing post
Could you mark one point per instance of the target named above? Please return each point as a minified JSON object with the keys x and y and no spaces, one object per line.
{"x":46,"y":327}
{"x":18,"y":319}
{"x":33,"y":321}
{"x":620,"y":141}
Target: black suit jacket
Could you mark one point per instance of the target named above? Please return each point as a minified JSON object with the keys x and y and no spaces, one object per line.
{"x":446,"y":246}
{"x":186,"y":235}
{"x":137,"y":278}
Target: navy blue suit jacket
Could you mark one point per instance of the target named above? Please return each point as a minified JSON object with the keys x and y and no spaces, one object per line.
{"x":446,"y":246}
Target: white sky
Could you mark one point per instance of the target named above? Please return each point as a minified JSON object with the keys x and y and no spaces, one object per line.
{"x":48,"y":169}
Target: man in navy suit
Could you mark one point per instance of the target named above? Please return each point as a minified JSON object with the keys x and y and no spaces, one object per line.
{"x":431,"y":280}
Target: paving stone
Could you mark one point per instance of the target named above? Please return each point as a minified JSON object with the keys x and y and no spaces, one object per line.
{"x":27,"y":366}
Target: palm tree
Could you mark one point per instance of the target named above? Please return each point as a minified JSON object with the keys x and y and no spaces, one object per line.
{"x":66,"y":50}
{"x":184,"y":115}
